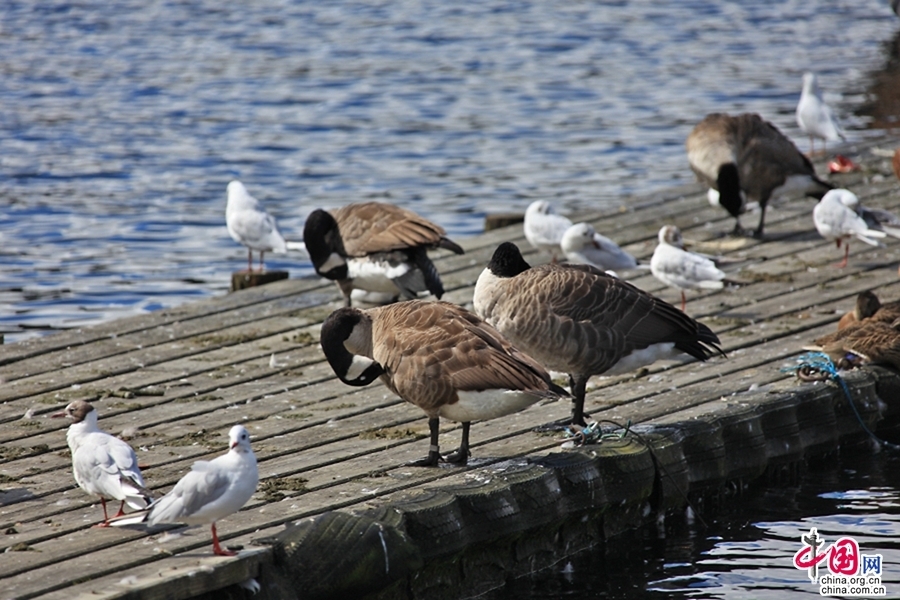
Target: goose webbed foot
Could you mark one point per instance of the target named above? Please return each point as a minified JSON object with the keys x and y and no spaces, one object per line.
{"x":434,"y":457}
{"x":458,"y":457}
{"x":557,"y":426}
{"x":742,"y":232}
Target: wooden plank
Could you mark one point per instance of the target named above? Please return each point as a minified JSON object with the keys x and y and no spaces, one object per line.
{"x":331,"y":446}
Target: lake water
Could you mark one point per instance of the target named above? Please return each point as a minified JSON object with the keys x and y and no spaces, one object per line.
{"x":745,"y":549}
{"x":122,"y":121}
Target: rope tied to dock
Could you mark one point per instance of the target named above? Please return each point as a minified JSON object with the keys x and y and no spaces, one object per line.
{"x":593,"y":434}
{"x":818,"y":366}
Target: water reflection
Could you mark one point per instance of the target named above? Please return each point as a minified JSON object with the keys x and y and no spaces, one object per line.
{"x":747,"y":549}
{"x":122,"y":121}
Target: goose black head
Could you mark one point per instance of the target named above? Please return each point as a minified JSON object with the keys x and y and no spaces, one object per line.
{"x":507,"y":261}
{"x":323,"y":242}
{"x":352,"y":369}
{"x":729,"y":184}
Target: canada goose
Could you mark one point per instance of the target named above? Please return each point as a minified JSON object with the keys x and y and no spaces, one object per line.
{"x":104,"y":466}
{"x":583,"y":245}
{"x":746,"y":153}
{"x":544,"y":228}
{"x":209,"y":492}
{"x":836,"y":218}
{"x":249,"y":224}
{"x":577,"y":319}
{"x":675,"y":266}
{"x":376,"y":247}
{"x":863,"y":343}
{"x":869,"y":307}
{"x":814,"y":117}
{"x":441,"y":358}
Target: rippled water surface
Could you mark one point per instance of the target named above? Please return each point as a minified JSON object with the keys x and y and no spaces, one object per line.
{"x":743,"y":550}
{"x":121,"y":121}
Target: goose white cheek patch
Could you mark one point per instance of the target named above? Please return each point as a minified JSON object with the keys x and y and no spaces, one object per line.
{"x":334,"y":261}
{"x":358,"y":366}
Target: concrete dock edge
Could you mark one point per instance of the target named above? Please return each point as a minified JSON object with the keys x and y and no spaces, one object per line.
{"x":523,"y":515}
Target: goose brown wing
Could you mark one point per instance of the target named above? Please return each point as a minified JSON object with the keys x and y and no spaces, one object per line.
{"x":606,"y":318}
{"x":711,"y":145}
{"x":370,"y":227}
{"x":766,"y":154}
{"x":435,"y":349}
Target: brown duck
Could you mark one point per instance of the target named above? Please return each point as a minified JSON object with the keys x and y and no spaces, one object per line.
{"x":863,"y":343}
{"x":869,"y":307}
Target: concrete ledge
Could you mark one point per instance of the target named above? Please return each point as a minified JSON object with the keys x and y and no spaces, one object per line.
{"x":524,"y":515}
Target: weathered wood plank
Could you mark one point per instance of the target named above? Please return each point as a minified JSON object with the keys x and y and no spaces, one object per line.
{"x":341,"y":447}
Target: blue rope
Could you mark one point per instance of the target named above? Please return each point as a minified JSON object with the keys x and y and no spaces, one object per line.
{"x":821,"y":362}
{"x":593,"y":434}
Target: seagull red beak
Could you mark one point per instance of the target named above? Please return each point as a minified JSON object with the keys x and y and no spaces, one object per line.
{"x":59,"y":414}
{"x":841,"y":164}
{"x":234,"y":445}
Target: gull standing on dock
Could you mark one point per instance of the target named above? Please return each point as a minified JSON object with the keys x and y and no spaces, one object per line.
{"x":211,"y":491}
{"x":676,"y":267}
{"x":376,"y":247}
{"x":544,"y":228}
{"x":836,"y":217}
{"x":249,"y":224}
{"x":815,"y":117}
{"x":747,"y":154}
{"x":581,"y":321}
{"x":583,"y":245}
{"x":104,"y":465}
{"x":441,"y":358}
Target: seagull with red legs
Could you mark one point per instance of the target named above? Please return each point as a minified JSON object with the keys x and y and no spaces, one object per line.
{"x":837,"y":217}
{"x":249,"y":224}
{"x":681,"y":269}
{"x":209,"y":492}
{"x":104,"y":465}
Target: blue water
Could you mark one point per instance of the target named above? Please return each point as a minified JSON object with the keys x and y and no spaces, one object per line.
{"x":122,"y":121}
{"x":744,"y":548}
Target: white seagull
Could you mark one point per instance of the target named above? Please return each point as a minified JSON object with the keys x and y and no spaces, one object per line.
{"x":675,"y":266}
{"x":837,"y":219}
{"x":103,"y":465}
{"x":544,"y":229}
{"x":583,"y":245}
{"x":815,"y":117}
{"x":211,"y":491}
{"x":875,"y":218}
{"x":249,"y":224}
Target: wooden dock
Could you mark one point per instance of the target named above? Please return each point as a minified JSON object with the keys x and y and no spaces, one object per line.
{"x":332,"y":458}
